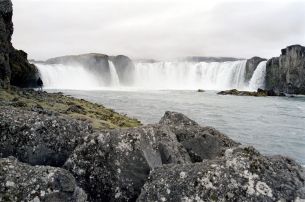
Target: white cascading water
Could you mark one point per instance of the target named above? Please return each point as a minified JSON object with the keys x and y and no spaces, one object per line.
{"x":258,"y":77}
{"x":70,"y":77}
{"x":115,"y":81}
{"x":154,"y":76}
{"x":187,"y":75}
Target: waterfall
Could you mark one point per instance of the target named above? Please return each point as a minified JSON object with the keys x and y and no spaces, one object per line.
{"x":72,"y":77}
{"x":188,"y":75}
{"x":115,"y":81}
{"x":258,"y":77}
{"x":153,"y":76}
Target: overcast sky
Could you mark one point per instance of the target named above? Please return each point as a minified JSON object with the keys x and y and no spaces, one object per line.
{"x":159,"y":29}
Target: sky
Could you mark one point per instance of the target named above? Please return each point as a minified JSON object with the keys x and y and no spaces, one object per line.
{"x":158,"y":29}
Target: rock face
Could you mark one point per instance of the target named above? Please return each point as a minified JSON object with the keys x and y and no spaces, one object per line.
{"x":38,"y":138}
{"x":241,"y":175}
{"x":251,"y":65}
{"x":14,"y":67}
{"x":95,"y":62}
{"x":125,"y":68}
{"x":287,"y":72}
{"x":22,"y":182}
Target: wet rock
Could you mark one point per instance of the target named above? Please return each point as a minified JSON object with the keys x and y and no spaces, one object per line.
{"x":125,"y":68}
{"x":22,"y":182}
{"x":114,"y":165}
{"x":241,"y":175}
{"x":251,"y":66}
{"x":286,"y":73}
{"x":258,"y":93}
{"x":37,"y":138}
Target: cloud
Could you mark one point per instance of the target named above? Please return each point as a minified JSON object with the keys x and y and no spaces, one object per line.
{"x":158,"y":28}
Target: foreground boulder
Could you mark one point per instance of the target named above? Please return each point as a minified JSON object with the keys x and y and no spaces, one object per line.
{"x":22,"y":182}
{"x":114,"y":165}
{"x":200,"y":142}
{"x":39,"y":138}
{"x":241,"y":175}
{"x":287,"y":72}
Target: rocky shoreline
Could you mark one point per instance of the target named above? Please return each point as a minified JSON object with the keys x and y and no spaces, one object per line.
{"x":48,"y":155}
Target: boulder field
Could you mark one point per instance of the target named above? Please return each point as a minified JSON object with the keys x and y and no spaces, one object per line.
{"x":51,"y":156}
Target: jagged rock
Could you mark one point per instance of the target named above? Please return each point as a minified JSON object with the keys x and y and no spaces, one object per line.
{"x":287,"y":72}
{"x":22,"y":182}
{"x":241,"y":175}
{"x":39,"y":138}
{"x":125,"y":68}
{"x":258,"y":93}
{"x":251,"y":66}
{"x":200,"y":142}
{"x":114,"y":165}
{"x":14,"y":66}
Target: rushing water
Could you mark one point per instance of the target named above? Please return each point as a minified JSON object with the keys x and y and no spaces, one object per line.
{"x":274,"y":125}
{"x":152,"y":76}
{"x":258,"y":77}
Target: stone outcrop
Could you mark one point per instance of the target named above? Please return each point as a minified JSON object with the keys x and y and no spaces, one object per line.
{"x":251,"y":66}
{"x":287,"y":72}
{"x":39,"y":138}
{"x":22,"y":182}
{"x":258,"y":93}
{"x":242,"y":174}
{"x":14,"y":66}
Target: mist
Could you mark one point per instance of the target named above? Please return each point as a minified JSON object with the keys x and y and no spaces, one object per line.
{"x":157,"y":29}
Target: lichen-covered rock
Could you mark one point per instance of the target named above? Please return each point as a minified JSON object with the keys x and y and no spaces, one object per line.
{"x":241,"y":175}
{"x":39,"y":138}
{"x":287,"y":72}
{"x":114,"y":165}
{"x":251,"y":66}
{"x":200,"y":142}
{"x":22,"y":182}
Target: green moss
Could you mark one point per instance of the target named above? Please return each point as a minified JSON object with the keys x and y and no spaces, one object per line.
{"x":99,"y":116}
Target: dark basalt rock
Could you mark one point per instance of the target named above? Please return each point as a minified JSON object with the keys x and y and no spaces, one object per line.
{"x":125,"y":68}
{"x":14,"y":66}
{"x":114,"y":165}
{"x":22,"y":182}
{"x":251,"y":66}
{"x":241,"y":175}
{"x":200,"y":142}
{"x":39,"y":138}
{"x":287,"y":72}
{"x":258,"y":93}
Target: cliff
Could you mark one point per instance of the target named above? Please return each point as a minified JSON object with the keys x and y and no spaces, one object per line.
{"x":251,"y":65}
{"x":286,"y":73}
{"x":100,"y":65}
{"x":14,"y":66}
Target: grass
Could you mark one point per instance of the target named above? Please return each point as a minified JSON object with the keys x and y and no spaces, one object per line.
{"x":97,"y":115}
